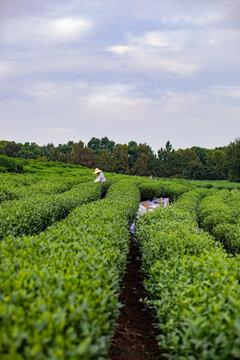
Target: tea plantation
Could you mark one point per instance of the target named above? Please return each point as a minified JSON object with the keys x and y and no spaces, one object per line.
{"x":64,"y":242}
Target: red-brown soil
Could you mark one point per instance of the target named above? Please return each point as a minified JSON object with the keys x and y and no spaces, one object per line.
{"x":135,"y":335}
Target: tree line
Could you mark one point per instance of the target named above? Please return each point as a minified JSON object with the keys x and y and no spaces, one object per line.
{"x":137,"y":159}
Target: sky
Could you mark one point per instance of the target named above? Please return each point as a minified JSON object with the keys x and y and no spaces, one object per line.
{"x":142,"y":70}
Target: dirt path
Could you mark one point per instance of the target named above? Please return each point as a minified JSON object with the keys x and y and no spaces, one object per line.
{"x":134,"y":337}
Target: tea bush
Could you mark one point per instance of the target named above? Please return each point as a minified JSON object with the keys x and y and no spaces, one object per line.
{"x":220,"y":215}
{"x":8,"y":163}
{"x":193,"y":285}
{"x":59,"y":289}
{"x":153,"y":189}
{"x":27,"y":185}
{"x":33,"y":214}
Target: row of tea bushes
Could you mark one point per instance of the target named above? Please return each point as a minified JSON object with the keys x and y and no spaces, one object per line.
{"x":220,"y":215}
{"x":8,"y":164}
{"x":11,"y":185}
{"x":19,"y":186}
{"x":153,"y":189}
{"x":59,"y":290}
{"x":54,"y":167}
{"x":193,"y":285}
{"x":55,"y":185}
{"x":190,"y":201}
{"x":216,"y":184}
{"x":20,"y":179}
{"x":8,"y":192}
{"x":33,"y":214}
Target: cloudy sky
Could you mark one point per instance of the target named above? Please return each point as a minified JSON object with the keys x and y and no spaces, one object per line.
{"x":143,"y":70}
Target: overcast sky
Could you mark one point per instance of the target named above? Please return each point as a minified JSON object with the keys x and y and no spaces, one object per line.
{"x":143,"y":70}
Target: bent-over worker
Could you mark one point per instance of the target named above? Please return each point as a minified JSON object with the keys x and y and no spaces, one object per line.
{"x":100,"y":177}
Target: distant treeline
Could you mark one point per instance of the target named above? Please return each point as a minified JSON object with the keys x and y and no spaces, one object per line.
{"x":137,"y":159}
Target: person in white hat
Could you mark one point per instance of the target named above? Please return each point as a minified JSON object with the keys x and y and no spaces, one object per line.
{"x":100,"y":177}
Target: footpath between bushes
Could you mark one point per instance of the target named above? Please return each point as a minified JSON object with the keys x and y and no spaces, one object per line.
{"x":135,"y":334}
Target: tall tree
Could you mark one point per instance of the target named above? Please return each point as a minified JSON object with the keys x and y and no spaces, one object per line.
{"x":56,"y":155}
{"x":166,"y":161}
{"x":105,"y":161}
{"x":100,"y":145}
{"x":95,"y":145}
{"x":182,"y":159}
{"x":218,"y":158}
{"x":210,"y":171}
{"x":149,"y":159}
{"x":30,"y":151}
{"x":132,"y":153}
{"x":46,"y":149}
{"x":193,"y":170}
{"x":107,"y":144}
{"x":141,"y":166}
{"x":11,"y":149}
{"x":233,"y":160}
{"x":81,"y":155}
{"x":65,"y":148}
{"x":202,"y":153}
{"x":120,"y":155}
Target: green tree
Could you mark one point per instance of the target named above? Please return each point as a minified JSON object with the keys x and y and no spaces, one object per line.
{"x":100,"y":145}
{"x":105,"y":161}
{"x":30,"y":151}
{"x":166,"y":161}
{"x":11,"y":149}
{"x":132,"y":153}
{"x":120,"y":156}
{"x":193,"y":170}
{"x":46,"y":149}
{"x":233,"y":160}
{"x":95,"y":145}
{"x":107,"y":144}
{"x":218,"y":158}
{"x":56,"y":155}
{"x":2,"y":144}
{"x":210,"y":171}
{"x":149,"y":159}
{"x":182,"y":159}
{"x":141,"y":166}
{"x":81,"y":155}
{"x":65,"y":148}
{"x":202,"y":153}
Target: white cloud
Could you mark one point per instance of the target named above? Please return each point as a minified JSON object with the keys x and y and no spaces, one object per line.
{"x":59,"y":112}
{"x":65,"y":29}
{"x":109,"y":100}
{"x":116,"y":95}
{"x":6,"y":69}
{"x":171,"y":40}
{"x":153,"y":52}
{"x":56,"y":76}
{"x":39,"y":31}
{"x":117,"y":88}
{"x":184,"y":13}
{"x":225,"y":91}
{"x":155,"y":40}
{"x":118,"y":49}
{"x":59,"y":130}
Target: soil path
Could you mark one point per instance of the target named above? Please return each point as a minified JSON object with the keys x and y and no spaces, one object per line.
{"x":134,"y":337}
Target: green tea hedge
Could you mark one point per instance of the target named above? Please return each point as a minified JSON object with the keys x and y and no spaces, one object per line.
{"x":59,"y":289}
{"x":153,"y":189}
{"x":193,"y":285}
{"x":9,"y":164}
{"x":220,"y":215}
{"x":14,"y":186}
{"x":33,"y":214}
